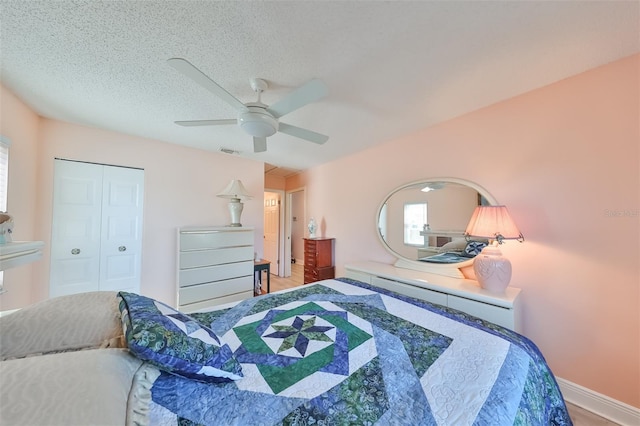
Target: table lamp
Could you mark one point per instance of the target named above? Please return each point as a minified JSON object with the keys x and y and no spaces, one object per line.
{"x":235,"y":191}
{"x":493,"y":271}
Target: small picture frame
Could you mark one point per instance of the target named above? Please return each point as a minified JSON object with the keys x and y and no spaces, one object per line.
{"x":273,"y":202}
{"x":266,"y":203}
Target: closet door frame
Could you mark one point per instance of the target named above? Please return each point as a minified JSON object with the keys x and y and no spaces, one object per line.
{"x":94,"y":247}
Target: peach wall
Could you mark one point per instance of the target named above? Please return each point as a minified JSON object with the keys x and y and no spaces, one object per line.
{"x":180,"y":190}
{"x":274,"y":182}
{"x":565,"y":160}
{"x":21,"y":126}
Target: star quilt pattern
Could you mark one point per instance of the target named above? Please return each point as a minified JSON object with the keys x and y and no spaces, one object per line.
{"x":343,"y":352}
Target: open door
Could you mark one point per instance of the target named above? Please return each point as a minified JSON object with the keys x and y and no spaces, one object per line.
{"x":272,"y":230}
{"x":294,"y":227}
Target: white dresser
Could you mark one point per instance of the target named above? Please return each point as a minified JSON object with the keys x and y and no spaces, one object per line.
{"x":461,"y":294}
{"x":215,"y":266}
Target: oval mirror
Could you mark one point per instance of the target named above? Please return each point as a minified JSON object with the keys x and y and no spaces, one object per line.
{"x":422,"y":223}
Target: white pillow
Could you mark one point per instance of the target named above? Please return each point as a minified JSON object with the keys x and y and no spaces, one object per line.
{"x":456,"y":245}
{"x":73,"y":388}
{"x":78,"y":321}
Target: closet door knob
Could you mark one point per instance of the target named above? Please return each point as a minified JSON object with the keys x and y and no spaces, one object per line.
{"x":122,"y":248}
{"x":75,"y":251}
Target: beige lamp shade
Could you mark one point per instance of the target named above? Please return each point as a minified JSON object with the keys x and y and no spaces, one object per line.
{"x":235,"y":191}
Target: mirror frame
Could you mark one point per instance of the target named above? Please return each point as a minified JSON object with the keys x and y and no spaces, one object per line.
{"x":448,"y":269}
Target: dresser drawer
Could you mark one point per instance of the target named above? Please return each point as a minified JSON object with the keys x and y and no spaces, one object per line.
{"x":215,"y":273}
{"x":208,"y":303}
{"x":215,"y":239}
{"x":200,"y":258}
{"x":316,"y":274}
{"x":310,"y":259}
{"x":412,"y":291}
{"x":196,"y":293}
{"x":358,"y":276}
{"x":309,"y":277}
{"x":325,"y":273}
{"x":496,"y":314}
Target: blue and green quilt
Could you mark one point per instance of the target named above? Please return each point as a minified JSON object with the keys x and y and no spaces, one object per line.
{"x":341,"y":352}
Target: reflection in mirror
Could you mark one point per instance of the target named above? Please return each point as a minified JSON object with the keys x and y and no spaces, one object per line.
{"x":423,"y":223}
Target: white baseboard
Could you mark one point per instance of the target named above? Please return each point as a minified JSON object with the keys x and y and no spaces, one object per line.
{"x":599,"y":404}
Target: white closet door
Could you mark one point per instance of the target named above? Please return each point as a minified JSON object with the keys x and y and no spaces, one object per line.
{"x":75,"y":239}
{"x":96,"y":241}
{"x":121,"y":242}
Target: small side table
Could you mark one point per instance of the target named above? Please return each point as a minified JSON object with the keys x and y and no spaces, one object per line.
{"x":258,"y":267}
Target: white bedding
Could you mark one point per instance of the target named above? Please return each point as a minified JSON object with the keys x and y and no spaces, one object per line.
{"x":60,"y":389}
{"x":79,"y":321}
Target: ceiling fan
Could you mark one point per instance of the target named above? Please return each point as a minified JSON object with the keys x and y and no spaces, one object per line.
{"x":255,"y":118}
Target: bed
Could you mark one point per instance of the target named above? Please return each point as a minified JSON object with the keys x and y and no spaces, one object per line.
{"x":447,"y":257}
{"x":456,"y":251}
{"x":334,"y":352}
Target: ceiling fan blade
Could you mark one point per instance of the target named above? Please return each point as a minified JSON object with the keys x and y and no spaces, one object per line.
{"x":193,"y":123}
{"x":188,"y":69}
{"x":303,"y":95}
{"x":259,"y":144}
{"x":301,"y":133}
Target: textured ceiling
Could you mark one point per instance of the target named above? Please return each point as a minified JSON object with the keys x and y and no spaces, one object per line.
{"x":391,"y":67}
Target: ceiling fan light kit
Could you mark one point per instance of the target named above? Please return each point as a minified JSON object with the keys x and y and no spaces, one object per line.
{"x":257,"y":122}
{"x":255,"y":118}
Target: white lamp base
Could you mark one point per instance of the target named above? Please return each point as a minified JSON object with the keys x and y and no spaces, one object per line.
{"x":235,"y":208}
{"x":493,"y":271}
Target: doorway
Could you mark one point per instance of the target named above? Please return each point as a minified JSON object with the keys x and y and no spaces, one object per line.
{"x":295,"y":214}
{"x":291,"y":220}
{"x":272,"y":225}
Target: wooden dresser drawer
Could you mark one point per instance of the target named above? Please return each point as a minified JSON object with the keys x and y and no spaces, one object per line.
{"x":325,"y":273}
{"x":316,"y":274}
{"x":309,"y":260}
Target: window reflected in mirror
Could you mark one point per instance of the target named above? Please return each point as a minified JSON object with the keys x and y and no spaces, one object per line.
{"x":415,"y":221}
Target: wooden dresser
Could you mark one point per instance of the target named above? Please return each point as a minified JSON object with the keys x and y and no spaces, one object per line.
{"x":215,"y":266}
{"x":318,"y":259}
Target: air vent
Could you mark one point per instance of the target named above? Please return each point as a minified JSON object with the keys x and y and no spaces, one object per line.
{"x":229,"y":151}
